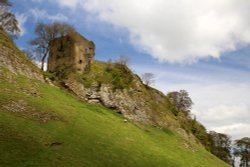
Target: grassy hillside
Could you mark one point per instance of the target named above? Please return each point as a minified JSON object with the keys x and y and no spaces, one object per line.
{"x":44,"y":126}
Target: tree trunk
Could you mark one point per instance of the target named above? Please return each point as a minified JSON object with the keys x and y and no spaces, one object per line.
{"x":43,"y":60}
{"x":42,"y":65}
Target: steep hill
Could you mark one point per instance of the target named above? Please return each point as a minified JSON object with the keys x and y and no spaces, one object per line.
{"x":43,"y":125}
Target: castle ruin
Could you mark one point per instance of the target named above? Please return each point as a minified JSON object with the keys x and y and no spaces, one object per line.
{"x":71,"y":51}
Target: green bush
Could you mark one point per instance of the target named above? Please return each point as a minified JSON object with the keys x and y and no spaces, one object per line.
{"x":50,"y":75}
{"x":117,"y":75}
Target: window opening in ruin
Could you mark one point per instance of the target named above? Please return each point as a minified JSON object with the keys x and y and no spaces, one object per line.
{"x":60,"y":48}
{"x":80,"y":61}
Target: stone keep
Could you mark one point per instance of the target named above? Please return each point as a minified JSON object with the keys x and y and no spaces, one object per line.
{"x":72,"y":51}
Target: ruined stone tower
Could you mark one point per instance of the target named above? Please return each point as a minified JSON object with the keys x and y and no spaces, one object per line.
{"x":72,"y":51}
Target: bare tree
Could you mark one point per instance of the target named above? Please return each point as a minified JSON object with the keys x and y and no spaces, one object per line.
{"x":44,"y":34}
{"x":8,"y":20}
{"x":180,"y":100}
{"x":123,"y":59}
{"x":31,"y":54}
{"x":148,"y":78}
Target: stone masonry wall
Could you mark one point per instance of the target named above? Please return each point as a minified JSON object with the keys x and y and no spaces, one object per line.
{"x":71,"y":51}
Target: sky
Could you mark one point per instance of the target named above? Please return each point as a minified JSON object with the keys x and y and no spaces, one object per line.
{"x":198,"y":45}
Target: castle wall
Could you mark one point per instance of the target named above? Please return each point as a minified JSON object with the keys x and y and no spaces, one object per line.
{"x":84,"y":55}
{"x":72,"y":51}
{"x":60,"y":54}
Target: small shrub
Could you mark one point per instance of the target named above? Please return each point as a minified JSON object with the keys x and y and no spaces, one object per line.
{"x":115,"y":74}
{"x":50,"y":75}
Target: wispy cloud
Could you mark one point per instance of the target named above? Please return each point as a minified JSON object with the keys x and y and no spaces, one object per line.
{"x":44,"y":15}
{"x":68,"y":3}
{"x":21,"y":18}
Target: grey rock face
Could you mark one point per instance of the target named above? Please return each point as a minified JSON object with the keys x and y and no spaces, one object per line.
{"x":14,"y":60}
{"x":130,"y":104}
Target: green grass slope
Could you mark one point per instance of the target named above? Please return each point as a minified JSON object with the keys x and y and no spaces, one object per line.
{"x":43,"y":126}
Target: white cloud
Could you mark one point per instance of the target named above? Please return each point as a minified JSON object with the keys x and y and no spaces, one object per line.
{"x":67,"y":3}
{"x":21,"y":18}
{"x":43,"y":14}
{"x":237,"y":130}
{"x":176,"y":31}
{"x":226,"y":118}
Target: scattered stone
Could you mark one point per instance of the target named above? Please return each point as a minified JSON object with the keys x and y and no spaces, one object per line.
{"x":22,"y":108}
{"x":189,"y":146}
{"x":48,"y":81}
{"x":55,"y":144}
{"x":182,"y":132}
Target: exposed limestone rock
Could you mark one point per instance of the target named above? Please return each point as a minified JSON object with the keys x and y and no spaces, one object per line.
{"x":182,"y":132}
{"x":132,"y":102}
{"x":48,"y":81}
{"x":14,"y":60}
{"x":77,"y":88}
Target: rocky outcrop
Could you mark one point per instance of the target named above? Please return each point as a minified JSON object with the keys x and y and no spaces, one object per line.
{"x":14,"y":60}
{"x":104,"y":94}
{"x":138,"y":102}
{"x":123,"y":101}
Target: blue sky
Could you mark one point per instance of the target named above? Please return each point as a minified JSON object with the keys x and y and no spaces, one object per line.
{"x":196,"y":45}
